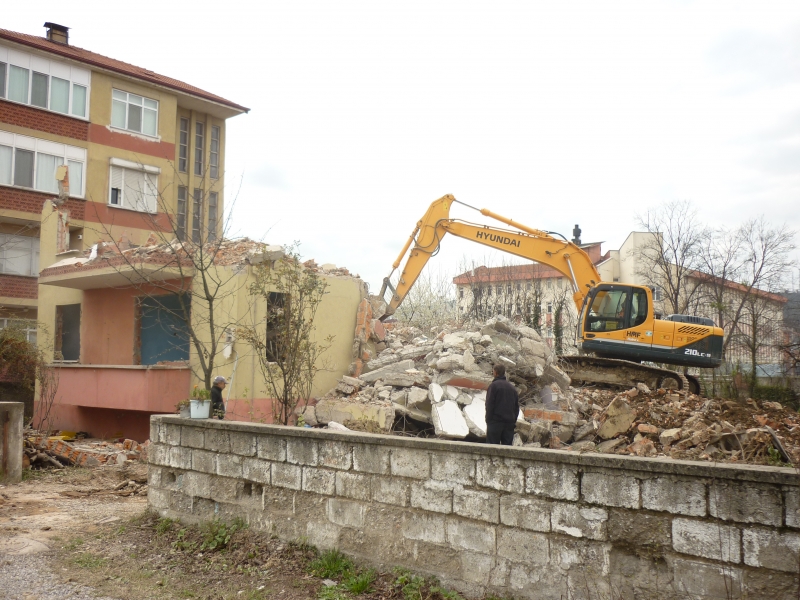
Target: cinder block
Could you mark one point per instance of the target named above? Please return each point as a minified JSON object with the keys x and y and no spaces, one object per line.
{"x":523,"y":546}
{"x":255,"y":469}
{"x":694,"y":579}
{"x":746,"y":502}
{"x":229,"y":465}
{"x":322,"y":534}
{"x":388,"y":490}
{"x":771,"y":549}
{"x":157,"y":454}
{"x":353,"y":485}
{"x":435,"y":496}
{"x":501,"y":474}
{"x":204,"y":462}
{"x":196,"y":484}
{"x":287,"y":476}
{"x":271,"y":448}
{"x":179,"y":458}
{"x":640,"y":528}
{"x":474,"y":504}
{"x":676,"y":495}
{"x":610,"y":489}
{"x":580,"y":521}
{"x":525,"y":513}
{"x":154,"y":431}
{"x":371,"y":458}
{"x":553,"y":480}
{"x":335,"y":455}
{"x":217,"y":440}
{"x":301,"y":451}
{"x":410,"y":462}
{"x":345,"y":512}
{"x":707,"y":539}
{"x":585,"y":558}
{"x":172,"y":434}
{"x":476,"y":568}
{"x":193,"y":437}
{"x":242,"y":443}
{"x":319,"y":481}
{"x":791,"y":497}
{"x":424,"y":527}
{"x":158,"y":499}
{"x":468,"y":535}
{"x":456,"y":468}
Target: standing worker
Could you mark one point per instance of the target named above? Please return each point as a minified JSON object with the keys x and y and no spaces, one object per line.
{"x":217,"y":403}
{"x":502,"y":409}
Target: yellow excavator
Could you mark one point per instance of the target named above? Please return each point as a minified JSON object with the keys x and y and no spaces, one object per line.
{"x":617,"y":327}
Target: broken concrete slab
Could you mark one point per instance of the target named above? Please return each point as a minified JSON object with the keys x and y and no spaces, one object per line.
{"x":448,"y":422}
{"x":416,"y":396}
{"x":345,"y":412}
{"x":618,"y":418}
{"x":450,"y":362}
{"x":475,"y":416}
{"x":435,"y":393}
{"x":397,"y":367}
{"x":412,"y":412}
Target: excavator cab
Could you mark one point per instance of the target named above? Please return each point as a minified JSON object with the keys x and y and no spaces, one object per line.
{"x":617,"y":321}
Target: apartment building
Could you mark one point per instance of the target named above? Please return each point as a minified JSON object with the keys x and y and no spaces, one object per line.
{"x":142,"y":151}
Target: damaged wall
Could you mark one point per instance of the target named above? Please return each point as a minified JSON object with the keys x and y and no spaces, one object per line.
{"x":530,"y":523}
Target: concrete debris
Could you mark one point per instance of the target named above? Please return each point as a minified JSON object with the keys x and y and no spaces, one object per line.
{"x":448,"y":422}
{"x":618,"y":419}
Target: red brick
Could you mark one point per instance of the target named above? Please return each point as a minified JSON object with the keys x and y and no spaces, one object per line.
{"x":18,"y":286}
{"x":43,"y":120}
{"x":32,"y":202}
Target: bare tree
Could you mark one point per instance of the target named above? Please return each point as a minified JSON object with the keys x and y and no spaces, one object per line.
{"x":203,"y":269}
{"x":283,"y":335}
{"x":430,"y":303}
{"x":670,"y":257}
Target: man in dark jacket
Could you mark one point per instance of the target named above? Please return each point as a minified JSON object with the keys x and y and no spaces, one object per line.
{"x":502,"y":409}
{"x":217,"y":403}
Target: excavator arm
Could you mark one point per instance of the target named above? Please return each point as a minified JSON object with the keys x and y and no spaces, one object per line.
{"x":533,"y":244}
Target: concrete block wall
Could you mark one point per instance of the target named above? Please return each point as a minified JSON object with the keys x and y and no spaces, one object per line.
{"x":11,"y":420}
{"x":526,"y":523}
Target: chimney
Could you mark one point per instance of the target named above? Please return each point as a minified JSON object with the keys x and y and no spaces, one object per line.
{"x":577,"y":233}
{"x":57,"y":33}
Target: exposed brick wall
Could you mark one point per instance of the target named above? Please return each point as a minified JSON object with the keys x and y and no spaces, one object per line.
{"x":17,"y":286}
{"x":42,"y":120}
{"x":32,"y":202}
{"x":527,"y":523}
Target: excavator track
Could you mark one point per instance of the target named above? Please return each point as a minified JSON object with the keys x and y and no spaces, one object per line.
{"x":624,"y":373}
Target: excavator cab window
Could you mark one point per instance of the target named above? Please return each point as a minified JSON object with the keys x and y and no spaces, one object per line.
{"x":638,"y":307}
{"x":609,"y":309}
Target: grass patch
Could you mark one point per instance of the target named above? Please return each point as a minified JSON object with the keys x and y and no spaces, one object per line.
{"x":87,"y":560}
{"x":73,"y":544}
{"x":331,"y":564}
{"x":164,"y":525}
{"x":361,"y":583}
{"x":217,"y":534}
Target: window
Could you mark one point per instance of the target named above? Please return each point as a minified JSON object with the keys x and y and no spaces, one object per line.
{"x":197,"y":214}
{"x":658,"y":294}
{"x":133,"y":186}
{"x":461,"y":293}
{"x":163,"y":328}
{"x":134,"y":113}
{"x":47,"y":84}
{"x":183,"y":145}
{"x":180,"y":225}
{"x":498,"y":290}
{"x":68,"y":332}
{"x":26,"y":327}
{"x":199,"y":132}
{"x":212,"y":216}
{"x":31,"y":163}
{"x":549,"y":308}
{"x":213,"y":161}
{"x":276,"y":325}
{"x":608,"y":309}
{"x":19,"y":255}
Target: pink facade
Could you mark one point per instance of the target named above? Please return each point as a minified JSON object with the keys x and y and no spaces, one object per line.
{"x":117,"y":401}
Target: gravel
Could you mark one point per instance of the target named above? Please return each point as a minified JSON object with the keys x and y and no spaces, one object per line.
{"x":30,"y":577}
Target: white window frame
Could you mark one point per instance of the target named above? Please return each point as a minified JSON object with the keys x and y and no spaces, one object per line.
{"x":127,"y":112}
{"x":38,"y":146}
{"x":30,"y":332}
{"x":8,"y":240}
{"x":151,"y":174}
{"x":76,"y":76}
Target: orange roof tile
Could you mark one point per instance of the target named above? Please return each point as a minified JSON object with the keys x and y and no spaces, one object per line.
{"x":104,"y":62}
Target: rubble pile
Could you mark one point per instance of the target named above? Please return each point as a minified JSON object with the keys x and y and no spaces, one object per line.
{"x":406,"y":382}
{"x":57,"y":451}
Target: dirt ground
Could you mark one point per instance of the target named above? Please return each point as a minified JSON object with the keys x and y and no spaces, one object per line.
{"x":70,"y":535}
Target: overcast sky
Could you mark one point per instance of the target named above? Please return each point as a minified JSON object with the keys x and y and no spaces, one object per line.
{"x":362,"y":113}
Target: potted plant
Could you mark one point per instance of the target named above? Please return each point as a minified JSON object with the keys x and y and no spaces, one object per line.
{"x":183,"y":409}
{"x":200,"y":403}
